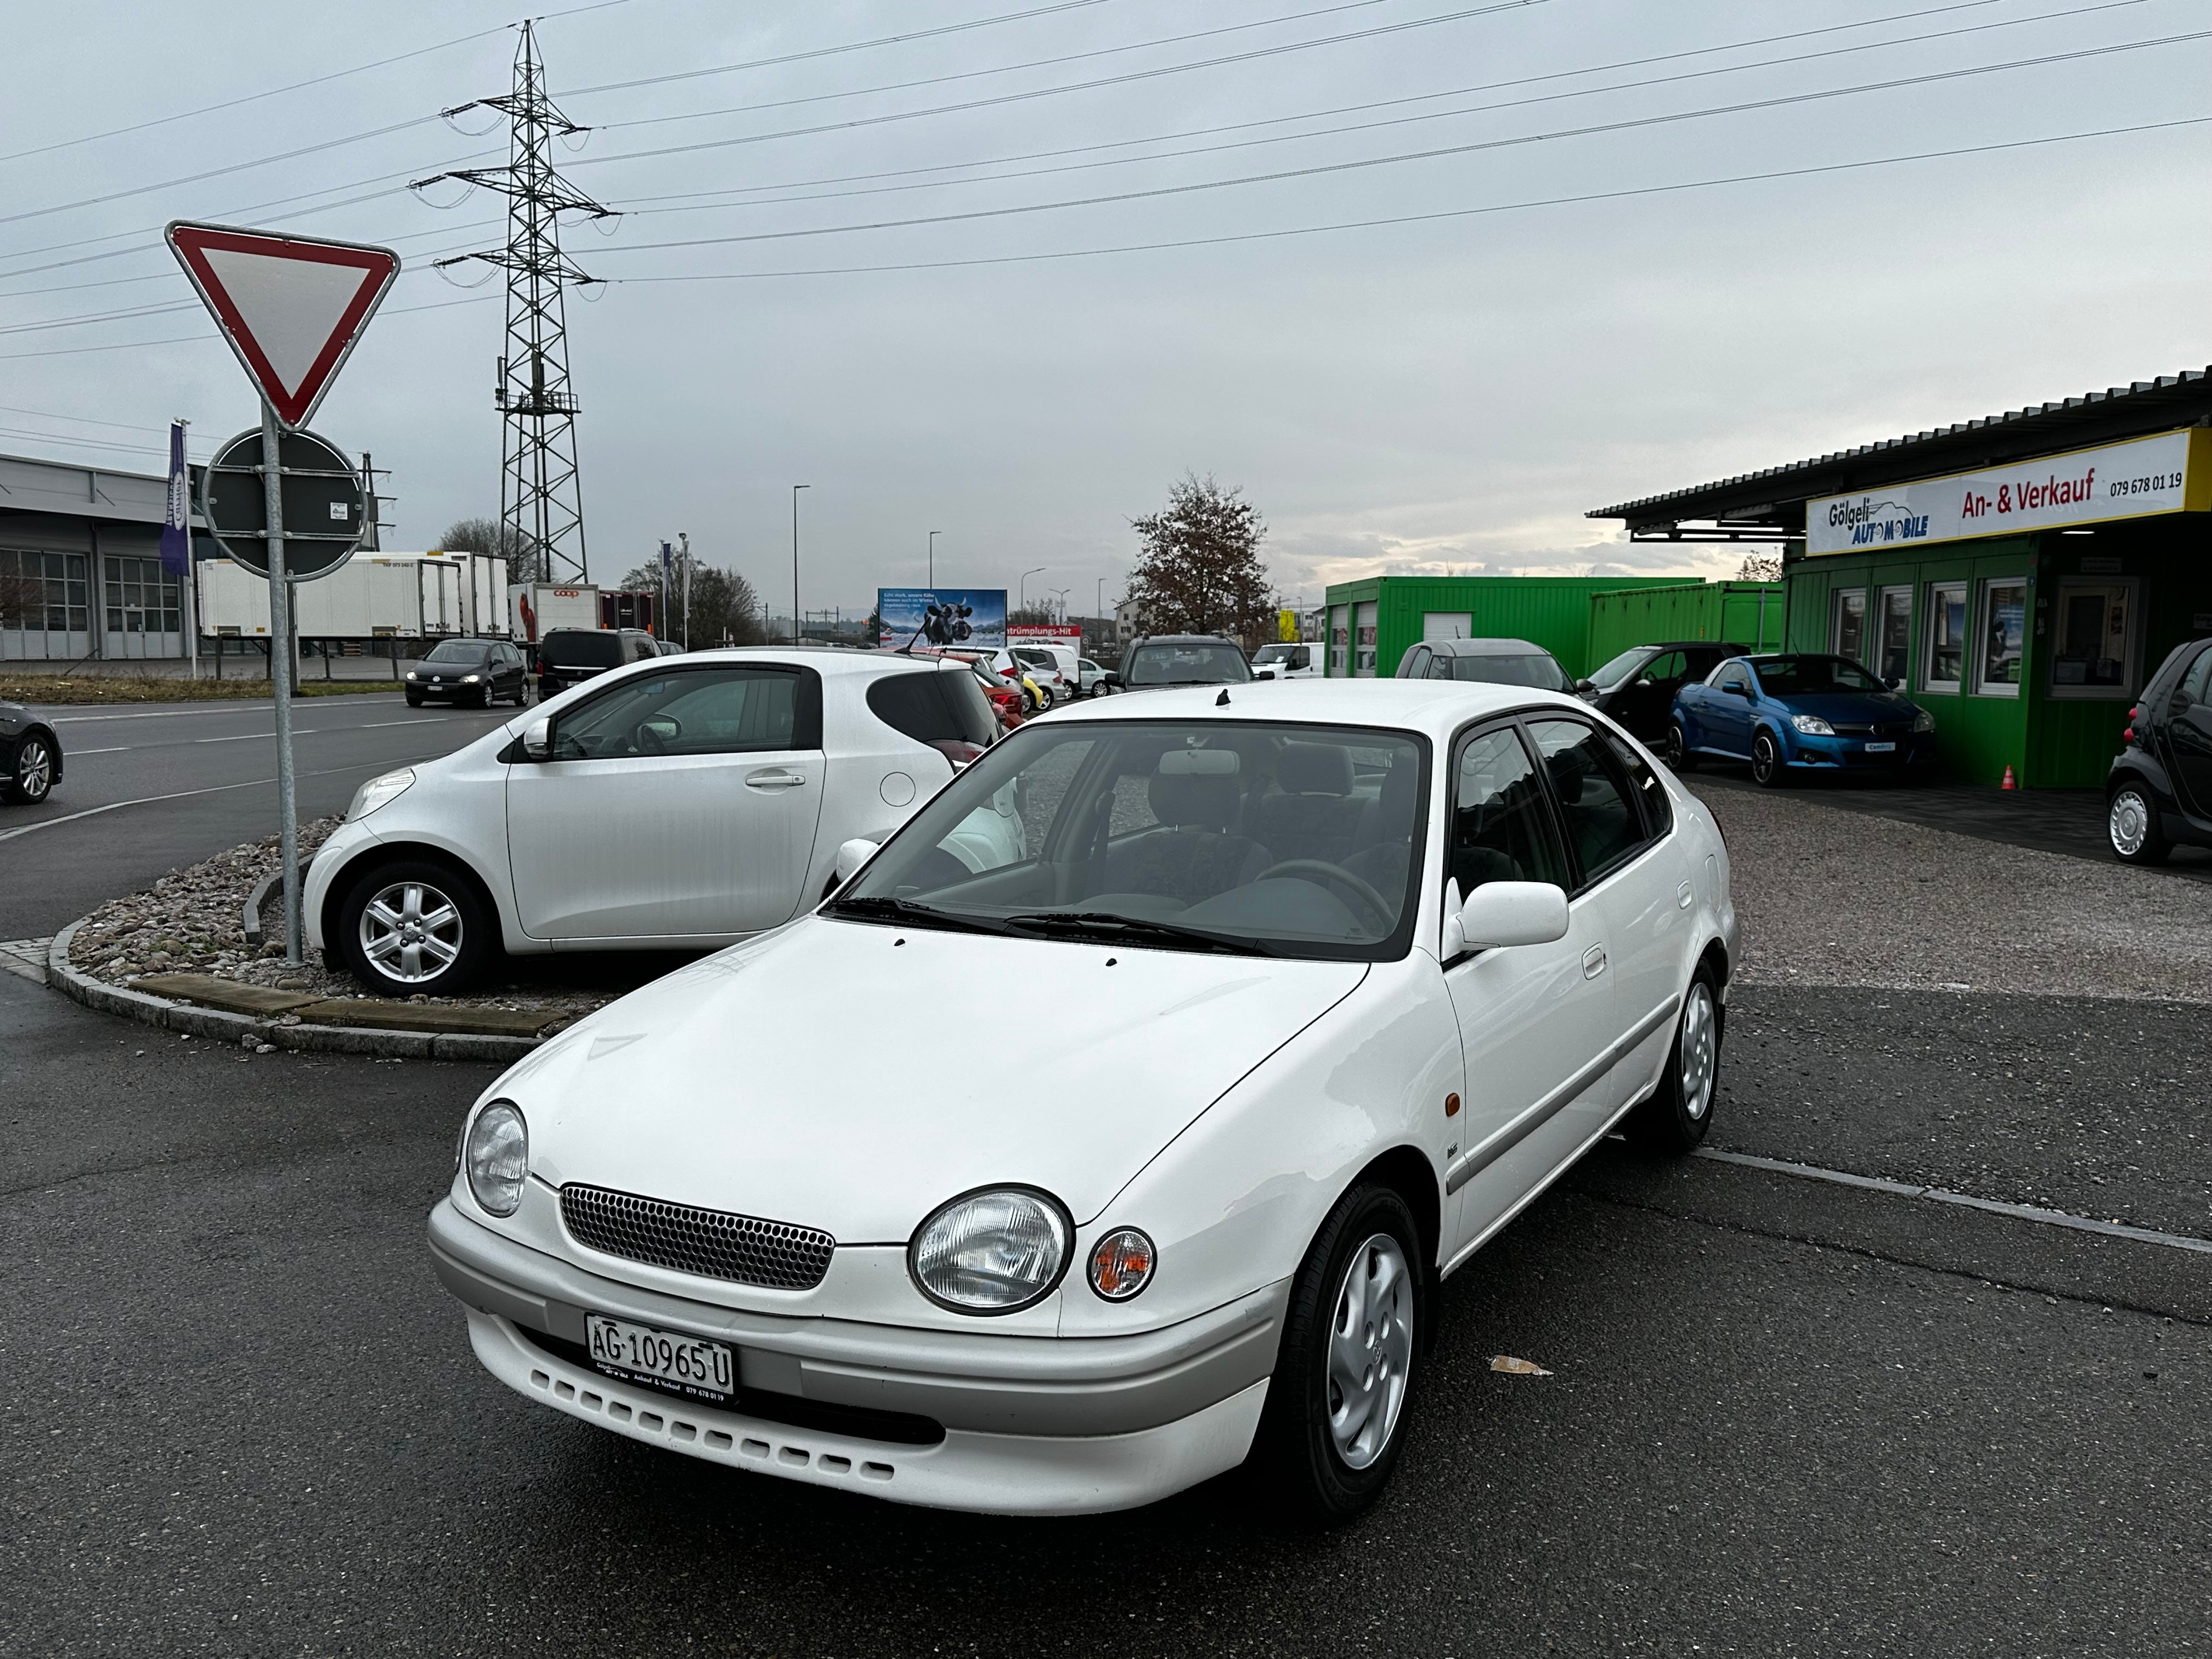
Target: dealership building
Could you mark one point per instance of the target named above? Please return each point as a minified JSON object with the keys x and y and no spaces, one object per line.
{"x":81,"y":575}
{"x":2019,"y":575}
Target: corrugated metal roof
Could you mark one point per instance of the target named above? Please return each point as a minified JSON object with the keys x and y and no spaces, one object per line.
{"x":2094,"y":417}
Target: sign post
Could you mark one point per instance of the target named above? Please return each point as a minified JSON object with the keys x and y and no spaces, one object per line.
{"x":291,"y":307}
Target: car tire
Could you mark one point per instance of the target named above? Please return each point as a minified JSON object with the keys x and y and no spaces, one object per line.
{"x":31,"y":780}
{"x":1768,"y":769}
{"x":2132,"y":828}
{"x":451,"y":952}
{"x":1325,"y":1459}
{"x":1672,"y":1120}
{"x":414,"y":701}
{"x":1678,"y":753}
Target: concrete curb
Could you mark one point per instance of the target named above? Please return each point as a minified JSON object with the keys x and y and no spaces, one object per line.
{"x":250,"y":918}
{"x":233,"y":1029}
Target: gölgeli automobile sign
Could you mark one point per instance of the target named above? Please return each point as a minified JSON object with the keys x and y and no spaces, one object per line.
{"x":2171,"y":472}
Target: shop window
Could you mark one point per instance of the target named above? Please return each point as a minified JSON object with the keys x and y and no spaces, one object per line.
{"x":2093,"y":651}
{"x":1847,"y":624}
{"x":1340,"y":641}
{"x":1363,"y":640}
{"x":142,"y":596}
{"x":43,"y":590}
{"x":1893,"y":641}
{"x":2003,"y":637}
{"x":1946,"y":667}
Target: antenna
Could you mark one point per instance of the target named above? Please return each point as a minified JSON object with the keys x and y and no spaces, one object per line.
{"x":540,"y":497}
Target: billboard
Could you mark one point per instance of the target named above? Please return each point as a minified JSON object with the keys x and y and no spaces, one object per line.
{"x":969,"y":616}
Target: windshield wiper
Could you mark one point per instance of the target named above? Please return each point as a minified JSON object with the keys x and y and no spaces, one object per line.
{"x":1102,"y":925}
{"x":921,"y":915}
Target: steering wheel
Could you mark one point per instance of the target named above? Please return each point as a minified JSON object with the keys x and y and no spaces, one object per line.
{"x":646,"y":740}
{"x":1378,"y":906}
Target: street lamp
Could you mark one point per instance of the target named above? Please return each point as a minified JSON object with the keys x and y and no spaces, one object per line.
{"x":1061,"y":594}
{"x":933,"y":535}
{"x":795,"y":489}
{"x":1023,"y":587}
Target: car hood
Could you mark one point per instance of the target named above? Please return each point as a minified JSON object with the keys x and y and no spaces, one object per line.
{"x":853,"y":1076}
{"x":1870,"y":707}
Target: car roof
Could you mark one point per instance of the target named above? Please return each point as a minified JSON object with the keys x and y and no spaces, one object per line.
{"x":1184,"y":639}
{"x":1437,"y":708}
{"x":1727,"y":648}
{"x":828,"y":661}
{"x":1487,"y":648}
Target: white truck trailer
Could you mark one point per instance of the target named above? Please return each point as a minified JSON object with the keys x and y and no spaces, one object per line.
{"x":534,"y":609}
{"x":372,"y":596}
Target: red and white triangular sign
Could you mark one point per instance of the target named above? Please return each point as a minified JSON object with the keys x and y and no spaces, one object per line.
{"x":291,"y":306}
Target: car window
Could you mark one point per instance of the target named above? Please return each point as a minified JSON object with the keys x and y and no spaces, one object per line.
{"x":1734,"y":673}
{"x":1645,"y":788}
{"x":1791,"y":676}
{"x":2195,"y":682}
{"x":577,"y":648}
{"x":698,"y":712}
{"x":1603,"y":825}
{"x":1540,"y":671}
{"x":1501,"y":829}
{"x":934,"y":708}
{"x":1667,"y":668}
{"x":1417,"y":662}
{"x":1203,"y":664}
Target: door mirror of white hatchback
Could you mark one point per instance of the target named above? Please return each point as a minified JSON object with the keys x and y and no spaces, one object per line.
{"x":1505,"y":912}
{"x":852,"y":855}
{"x":538,"y":739}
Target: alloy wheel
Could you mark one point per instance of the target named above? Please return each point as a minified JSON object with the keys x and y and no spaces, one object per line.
{"x":1765,"y":759}
{"x":410,"y":932}
{"x":1699,"y":1050}
{"x":2129,"y":822}
{"x":35,"y":770}
{"x":1371,"y":1351}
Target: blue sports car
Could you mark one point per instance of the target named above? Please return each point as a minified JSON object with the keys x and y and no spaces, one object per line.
{"x":1795,"y":714}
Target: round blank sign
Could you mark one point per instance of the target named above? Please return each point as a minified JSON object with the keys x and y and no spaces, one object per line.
{"x":324,"y":517}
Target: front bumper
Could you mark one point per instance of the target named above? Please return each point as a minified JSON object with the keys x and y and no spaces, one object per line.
{"x":449,"y":688}
{"x":1031,"y":1424}
{"x":1851,"y":753}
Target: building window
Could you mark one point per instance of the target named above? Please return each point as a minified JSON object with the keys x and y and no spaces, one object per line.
{"x":42,"y":592}
{"x":142,"y":596}
{"x":1340,"y":641}
{"x":1847,"y":624}
{"x":2094,"y":652}
{"x":1363,"y":640}
{"x":2003,"y":636}
{"x":1894,"y":637}
{"x":1946,"y":667}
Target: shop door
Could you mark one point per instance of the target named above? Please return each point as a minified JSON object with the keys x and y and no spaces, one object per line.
{"x":1893,"y":643}
{"x":145,"y":608}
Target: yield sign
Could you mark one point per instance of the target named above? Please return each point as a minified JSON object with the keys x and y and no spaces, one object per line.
{"x":291,"y":306}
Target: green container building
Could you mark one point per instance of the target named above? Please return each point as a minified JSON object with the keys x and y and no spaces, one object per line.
{"x":1742,"y":613}
{"x":2018,"y":576}
{"x":1372,"y":623}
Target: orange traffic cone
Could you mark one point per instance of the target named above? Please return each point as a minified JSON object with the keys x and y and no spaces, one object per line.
{"x":2008,"y":783}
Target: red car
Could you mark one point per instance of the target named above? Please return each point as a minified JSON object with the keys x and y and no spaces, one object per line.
{"x":1005,"y":695}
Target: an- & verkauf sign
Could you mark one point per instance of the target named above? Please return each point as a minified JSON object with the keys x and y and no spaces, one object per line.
{"x":2171,"y":472}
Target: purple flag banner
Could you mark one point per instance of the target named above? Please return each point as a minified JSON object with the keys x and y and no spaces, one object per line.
{"x":176,"y":523}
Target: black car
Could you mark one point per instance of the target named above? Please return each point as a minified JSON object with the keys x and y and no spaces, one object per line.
{"x":479,"y":671}
{"x":2159,"y":789}
{"x":569,"y":656}
{"x":1163,"y":659}
{"x":1638,"y":687}
{"x":30,"y":755}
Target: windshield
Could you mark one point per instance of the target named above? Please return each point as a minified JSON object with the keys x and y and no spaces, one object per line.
{"x":1620,"y":668}
{"x":1202,"y":664}
{"x":1252,"y":837}
{"x":467,"y":651}
{"x":1791,"y":676}
{"x":575,"y":648}
{"x":1273,"y":653}
{"x":1539,"y":671}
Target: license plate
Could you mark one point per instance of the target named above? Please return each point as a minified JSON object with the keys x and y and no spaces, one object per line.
{"x":688,"y":1364}
{"x":1879,"y":748}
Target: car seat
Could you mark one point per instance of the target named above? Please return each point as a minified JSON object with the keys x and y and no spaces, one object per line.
{"x":1194,"y":853}
{"x":1311,"y":812}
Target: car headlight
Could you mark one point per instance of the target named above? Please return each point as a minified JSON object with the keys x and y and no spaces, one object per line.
{"x":1813,"y":726}
{"x":471,"y":679}
{"x":413,"y":674}
{"x":1121,"y":1264}
{"x":497,"y":1156}
{"x":993,"y":1252}
{"x":380,"y":792}
{"x":1924,"y":721}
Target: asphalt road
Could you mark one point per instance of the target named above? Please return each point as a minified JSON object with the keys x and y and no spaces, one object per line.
{"x":147,"y":789}
{"x":1787,"y":1418}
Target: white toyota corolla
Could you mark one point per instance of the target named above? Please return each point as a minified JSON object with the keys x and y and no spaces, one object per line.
{"x":1354,"y":971}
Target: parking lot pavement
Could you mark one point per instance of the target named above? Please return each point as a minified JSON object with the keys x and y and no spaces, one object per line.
{"x":147,"y":788}
{"x":1785,"y":1419}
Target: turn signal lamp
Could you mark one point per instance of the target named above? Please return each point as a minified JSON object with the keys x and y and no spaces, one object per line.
{"x":1121,"y":1264}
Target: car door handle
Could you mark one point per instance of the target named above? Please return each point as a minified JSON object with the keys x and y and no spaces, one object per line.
{"x":1685,"y":896}
{"x":774,"y":777}
{"x":1594,"y":962}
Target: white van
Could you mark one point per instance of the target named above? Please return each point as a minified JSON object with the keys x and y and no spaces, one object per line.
{"x":1290,"y":660}
{"x":1053,"y":658}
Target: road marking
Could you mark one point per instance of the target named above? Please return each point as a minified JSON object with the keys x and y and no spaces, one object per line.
{"x":256,"y":707}
{"x":79,"y":754}
{"x":214,"y":789}
{"x":1943,"y":1195}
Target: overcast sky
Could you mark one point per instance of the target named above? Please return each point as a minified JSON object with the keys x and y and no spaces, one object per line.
{"x":1450,"y":394}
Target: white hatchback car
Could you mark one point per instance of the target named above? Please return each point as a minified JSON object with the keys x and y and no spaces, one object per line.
{"x":674,"y":803}
{"x":1361,"y":969}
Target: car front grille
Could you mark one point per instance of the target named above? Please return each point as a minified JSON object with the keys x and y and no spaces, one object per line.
{"x":712,"y":1244}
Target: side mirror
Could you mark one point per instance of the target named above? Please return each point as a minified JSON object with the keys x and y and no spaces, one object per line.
{"x":1264,"y":674}
{"x":1111,"y":676}
{"x":852,"y":855}
{"x":1584,"y":688}
{"x":1892,"y":681}
{"x":1506,"y":913}
{"x":1738,"y":689}
{"x":537,"y":739}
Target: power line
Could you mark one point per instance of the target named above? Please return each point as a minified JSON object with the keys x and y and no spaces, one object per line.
{"x":184,"y":339}
{"x":1364,"y":126}
{"x":1424,"y":218}
{"x":1054,"y":91}
{"x":1420,"y":155}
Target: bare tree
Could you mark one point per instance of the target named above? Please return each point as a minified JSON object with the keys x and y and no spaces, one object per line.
{"x":725,"y":609}
{"x":494,"y":537}
{"x":1198,"y":570}
{"x":1760,"y":568}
